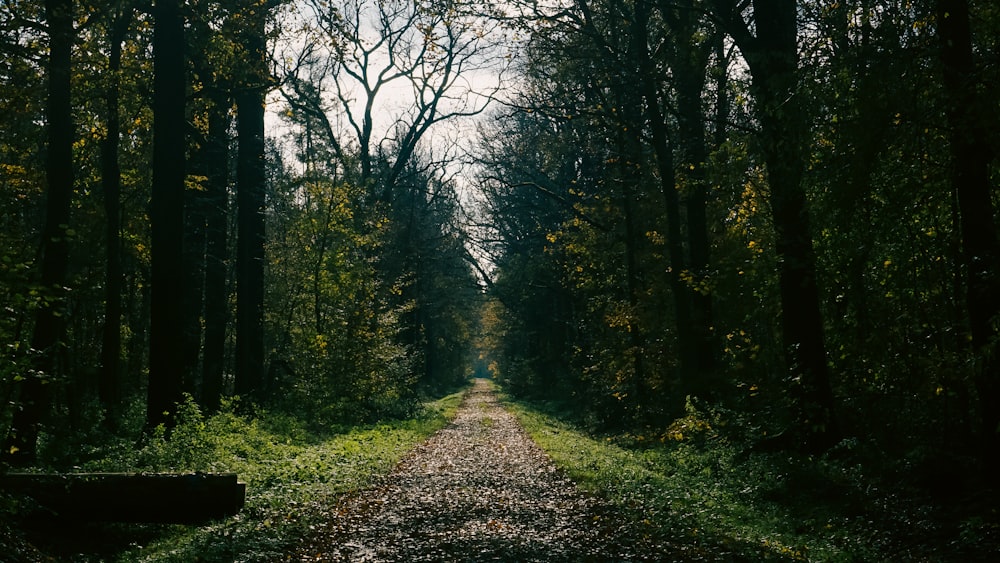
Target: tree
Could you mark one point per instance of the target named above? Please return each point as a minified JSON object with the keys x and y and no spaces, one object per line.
{"x":424,"y":55}
{"x":216,"y":158}
{"x":971,"y":156}
{"x":523,"y":205}
{"x":771,"y":53}
{"x":433,"y":287}
{"x":692,"y":41}
{"x":47,"y":339}
{"x":110,"y":385}
{"x":688,"y":63}
{"x":251,"y":180}
{"x":207,"y":203}
{"x":166,"y":357}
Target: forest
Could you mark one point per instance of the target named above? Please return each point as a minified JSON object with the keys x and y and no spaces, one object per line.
{"x":760,"y":228}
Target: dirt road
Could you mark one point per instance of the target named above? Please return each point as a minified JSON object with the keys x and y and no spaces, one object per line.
{"x":479,"y":490}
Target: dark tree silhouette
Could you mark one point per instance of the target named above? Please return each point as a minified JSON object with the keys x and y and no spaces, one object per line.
{"x":772,"y":56}
{"x":47,"y":338}
{"x":110,"y":384}
{"x":971,"y":156}
{"x":216,"y":248}
{"x":166,"y":359}
{"x":250,"y":202}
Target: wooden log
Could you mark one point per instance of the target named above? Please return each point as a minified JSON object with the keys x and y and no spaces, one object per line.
{"x":186,"y":498}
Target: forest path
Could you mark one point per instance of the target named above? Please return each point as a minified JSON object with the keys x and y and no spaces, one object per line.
{"x":478,"y":490}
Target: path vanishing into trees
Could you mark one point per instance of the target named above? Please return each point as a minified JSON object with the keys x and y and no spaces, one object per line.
{"x":479,"y":490}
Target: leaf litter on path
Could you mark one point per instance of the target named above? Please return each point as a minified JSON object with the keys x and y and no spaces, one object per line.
{"x":478,"y":490}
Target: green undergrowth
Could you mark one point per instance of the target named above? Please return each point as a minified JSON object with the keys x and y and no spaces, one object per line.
{"x":692,"y":484}
{"x":292,"y":476}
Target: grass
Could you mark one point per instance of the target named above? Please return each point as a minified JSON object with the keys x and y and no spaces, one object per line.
{"x":694,"y":486}
{"x":292,"y":476}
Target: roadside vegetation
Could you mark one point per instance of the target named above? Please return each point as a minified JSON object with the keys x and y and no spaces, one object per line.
{"x":749,"y":284}
{"x":699,"y":482}
{"x":292,"y":473}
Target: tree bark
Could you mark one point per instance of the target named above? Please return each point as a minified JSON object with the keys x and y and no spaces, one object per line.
{"x":250,"y":200}
{"x":772,"y":56}
{"x":971,"y":159}
{"x":46,"y":341}
{"x":665,"y":162}
{"x":166,"y":359}
{"x":110,"y":382}
{"x":194,"y":286}
{"x":216,"y":251}
{"x":689,"y":65}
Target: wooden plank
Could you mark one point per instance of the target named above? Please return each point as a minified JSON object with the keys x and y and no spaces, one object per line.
{"x":185,"y":498}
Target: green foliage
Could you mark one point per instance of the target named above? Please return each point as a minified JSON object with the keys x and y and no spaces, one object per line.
{"x":699,"y":483}
{"x":333,"y":335}
{"x":424,"y":261}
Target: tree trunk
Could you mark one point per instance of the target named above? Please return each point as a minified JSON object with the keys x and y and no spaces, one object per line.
{"x":166,"y":353}
{"x":785,"y":138}
{"x":110,"y":383}
{"x":772,"y":56}
{"x":689,"y":67}
{"x":636,"y":331}
{"x":250,"y":245}
{"x":21,"y":444}
{"x":659,"y":135}
{"x":721,"y":132}
{"x":971,"y":158}
{"x":195,"y":236}
{"x":250,"y":201}
{"x":216,"y":251}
